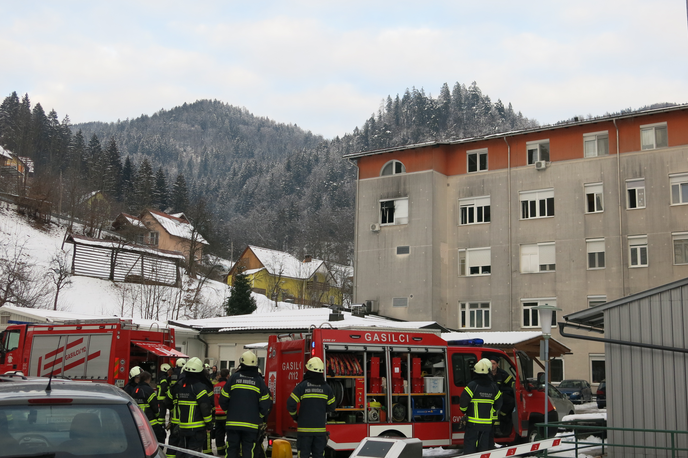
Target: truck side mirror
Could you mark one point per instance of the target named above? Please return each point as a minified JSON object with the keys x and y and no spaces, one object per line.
{"x":541,"y":378}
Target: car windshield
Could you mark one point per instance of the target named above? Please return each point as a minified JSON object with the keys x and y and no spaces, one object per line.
{"x":69,"y":430}
{"x":570,"y":384}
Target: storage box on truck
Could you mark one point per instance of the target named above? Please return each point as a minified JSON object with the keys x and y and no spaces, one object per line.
{"x":98,"y":351}
{"x":389,"y":382}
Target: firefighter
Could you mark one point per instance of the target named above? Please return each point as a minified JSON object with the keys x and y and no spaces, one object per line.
{"x":505,"y":383}
{"x":194,"y":407}
{"x":145,"y":397}
{"x":133,"y":380}
{"x":247,"y":401}
{"x":220,"y":417}
{"x":177,"y":373}
{"x":174,"y":438}
{"x":480,"y":401}
{"x":162,"y":387}
{"x":313,"y":398}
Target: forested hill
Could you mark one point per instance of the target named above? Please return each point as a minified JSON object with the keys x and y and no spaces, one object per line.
{"x":264,"y":183}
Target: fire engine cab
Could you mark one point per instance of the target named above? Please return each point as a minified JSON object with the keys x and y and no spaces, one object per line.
{"x":389,"y":382}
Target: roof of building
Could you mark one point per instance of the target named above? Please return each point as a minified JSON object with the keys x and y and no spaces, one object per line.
{"x":283,"y":264}
{"x":177,"y":226}
{"x":514,"y":133}
{"x":4,"y":153}
{"x":298,"y":321}
{"x":120,"y":245}
{"x":526,"y":341}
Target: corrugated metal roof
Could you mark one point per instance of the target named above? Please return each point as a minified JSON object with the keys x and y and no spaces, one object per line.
{"x":279,"y":263}
{"x":296,"y":320}
{"x":115,"y":244}
{"x":177,"y":226}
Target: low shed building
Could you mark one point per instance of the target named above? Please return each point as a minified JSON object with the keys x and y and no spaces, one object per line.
{"x":646,"y":365}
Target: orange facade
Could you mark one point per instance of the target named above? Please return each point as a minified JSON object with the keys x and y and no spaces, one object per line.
{"x":566,"y":142}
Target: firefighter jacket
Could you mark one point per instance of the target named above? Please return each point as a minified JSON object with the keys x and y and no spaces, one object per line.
{"x":130,"y":387}
{"x":162,"y":388}
{"x":503,"y":379}
{"x":246,"y":400}
{"x":481,"y":400}
{"x":177,"y":374}
{"x":217,"y":390}
{"x":316,"y":398}
{"x":194,"y":404}
{"x":145,"y":397}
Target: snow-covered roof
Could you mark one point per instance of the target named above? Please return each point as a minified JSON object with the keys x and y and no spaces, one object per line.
{"x":134,"y":221}
{"x":5,"y":153}
{"x":59,"y":316}
{"x":298,"y":320}
{"x":284,"y":264}
{"x":113,"y":244}
{"x":177,"y":226}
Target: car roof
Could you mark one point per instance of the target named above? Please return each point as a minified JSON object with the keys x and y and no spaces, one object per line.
{"x":80,"y":392}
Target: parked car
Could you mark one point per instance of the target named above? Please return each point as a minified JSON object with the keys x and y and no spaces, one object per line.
{"x":70,"y":418}
{"x":563,"y":405}
{"x":578,"y":391}
{"x":602,"y":395}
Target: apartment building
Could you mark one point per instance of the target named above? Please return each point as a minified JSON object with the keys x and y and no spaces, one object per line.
{"x":475,"y":233}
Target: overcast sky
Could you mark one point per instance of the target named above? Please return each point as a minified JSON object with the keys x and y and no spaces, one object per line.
{"x":327,"y":65}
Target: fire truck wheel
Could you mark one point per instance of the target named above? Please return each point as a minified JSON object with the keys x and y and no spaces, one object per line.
{"x":533,"y":434}
{"x":391,"y":433}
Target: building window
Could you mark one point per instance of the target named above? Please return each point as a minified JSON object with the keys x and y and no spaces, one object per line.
{"x":653,"y":136}
{"x":594,"y":301}
{"x":475,"y":261}
{"x":403,"y":249}
{"x":595,"y":250}
{"x":594,"y":201}
{"x":596,"y":144}
{"x":597,"y":370}
{"x":153,"y":238}
{"x":538,"y":151}
{"x":141,"y":239}
{"x":537,"y":204}
{"x":400,"y":302}
{"x":475,"y":315}
{"x":477,"y":160}
{"x":393,"y":168}
{"x":680,"y":247}
{"x":531,"y":316}
{"x":635,"y":191}
{"x":475,"y":210}
{"x":538,"y":257}
{"x":679,"y":188}
{"x":394,"y":211}
{"x":637,"y":246}
{"x":556,"y":369}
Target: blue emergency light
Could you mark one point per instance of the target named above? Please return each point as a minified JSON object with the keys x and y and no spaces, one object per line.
{"x":467,"y":342}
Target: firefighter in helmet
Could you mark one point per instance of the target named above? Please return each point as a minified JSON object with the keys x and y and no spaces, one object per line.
{"x":308,"y":406}
{"x":480,"y":401}
{"x":134,"y":374}
{"x":246,"y":400}
{"x":194,"y":406}
{"x":145,"y":397}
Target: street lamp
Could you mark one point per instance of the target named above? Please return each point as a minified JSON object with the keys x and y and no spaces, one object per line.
{"x":545,"y":316}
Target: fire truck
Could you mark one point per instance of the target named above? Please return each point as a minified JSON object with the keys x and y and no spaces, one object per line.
{"x":389,"y":382}
{"x":100,"y":351}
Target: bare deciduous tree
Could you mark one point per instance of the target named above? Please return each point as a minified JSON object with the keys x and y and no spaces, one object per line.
{"x":20,"y":280}
{"x":60,"y":273}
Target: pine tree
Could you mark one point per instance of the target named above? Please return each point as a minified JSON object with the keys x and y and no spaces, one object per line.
{"x":179,"y":200}
{"x":9,"y":123}
{"x":240,"y":301}
{"x":160,"y":192}
{"x":128,"y":190}
{"x":144,"y":185}
{"x":94,"y":164}
{"x":112,"y":180}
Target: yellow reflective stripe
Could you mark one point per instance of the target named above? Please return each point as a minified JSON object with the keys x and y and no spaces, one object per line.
{"x":469,"y":391}
{"x":480,"y":421}
{"x":295,"y":397}
{"x":331,"y":401}
{"x":314,"y":396}
{"x":187,"y":403}
{"x":194,"y":424}
{"x":266,"y":397}
{"x":224,"y":394}
{"x":243,"y":386}
{"x":241,"y":423}
{"x":311,"y":430}
{"x":202,"y":393}
{"x":291,"y":413}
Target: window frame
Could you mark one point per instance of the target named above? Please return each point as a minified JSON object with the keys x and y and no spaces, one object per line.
{"x":153,"y":238}
{"x":537,"y":204}
{"x":397,"y":219}
{"x":468,"y":315}
{"x":542,"y":154}
{"x":595,"y":357}
{"x":481,"y":212}
{"x":403,"y":250}
{"x":683,"y":238}
{"x":533,"y":314}
{"x":393,"y":164}
{"x":464,"y":257}
{"x":596,"y":300}
{"x":653,"y":127}
{"x":596,"y":190}
{"x":540,"y":255}
{"x":588,"y":252}
{"x":638,"y":246}
{"x":396,"y":302}
{"x":680,"y":181}
{"x":553,"y":369}
{"x":479,"y":153}
{"x":596,"y":137}
{"x":638,"y":194}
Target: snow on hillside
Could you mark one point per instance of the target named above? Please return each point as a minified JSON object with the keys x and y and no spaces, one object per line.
{"x":37,"y":245}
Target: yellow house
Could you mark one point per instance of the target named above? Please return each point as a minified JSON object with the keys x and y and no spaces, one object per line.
{"x":12,"y":171}
{"x":283,"y":277}
{"x":163,"y":231}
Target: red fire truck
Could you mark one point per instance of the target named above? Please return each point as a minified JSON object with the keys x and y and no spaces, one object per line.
{"x":394,"y":383}
{"x":89,"y":350}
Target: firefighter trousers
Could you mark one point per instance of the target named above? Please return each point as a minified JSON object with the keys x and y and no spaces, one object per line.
{"x":238,"y":439}
{"x":311,"y":446}
{"x":478,"y":438}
